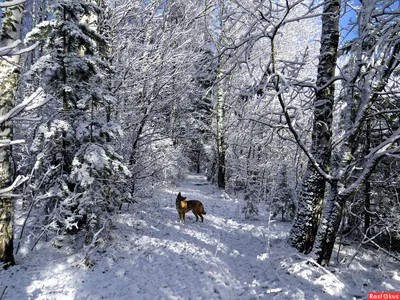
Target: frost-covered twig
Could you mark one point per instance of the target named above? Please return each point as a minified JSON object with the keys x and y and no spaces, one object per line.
{"x":17,"y":182}
{"x":91,"y":246}
{"x":23,"y":226}
{"x":23,"y":106}
{"x":37,"y":240}
{"x":10,"y":4}
{"x":371,"y":160}
{"x":28,"y":119}
{"x":6,"y":143}
{"x":11,"y":51}
{"x":3,"y":293}
{"x":385,"y":251}
{"x":365,"y":240}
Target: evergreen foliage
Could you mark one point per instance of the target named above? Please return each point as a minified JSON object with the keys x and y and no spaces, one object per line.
{"x":78,"y":175}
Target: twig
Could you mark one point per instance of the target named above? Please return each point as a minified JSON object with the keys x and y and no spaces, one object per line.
{"x":385,"y":251}
{"x":22,"y":106}
{"x":3,"y":293}
{"x":6,"y":143}
{"x":23,"y":226}
{"x":12,"y":3}
{"x":18,"y":181}
{"x":92,"y":245}
{"x":37,"y":241}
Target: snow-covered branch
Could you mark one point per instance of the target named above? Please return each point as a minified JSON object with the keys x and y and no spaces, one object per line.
{"x":4,"y":143}
{"x":380,"y":151}
{"x":17,"y":182}
{"x":12,"y":3}
{"x":24,"y":105}
{"x":10,"y":50}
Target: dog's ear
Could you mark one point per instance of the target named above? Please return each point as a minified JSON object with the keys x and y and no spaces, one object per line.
{"x":179,"y":195}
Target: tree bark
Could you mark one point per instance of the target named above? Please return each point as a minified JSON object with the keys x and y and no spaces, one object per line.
{"x":220,"y":106}
{"x":310,"y":200}
{"x":367,"y":185}
{"x":330,"y":223}
{"x":9,"y":76}
{"x":220,"y":135}
{"x":370,"y":82}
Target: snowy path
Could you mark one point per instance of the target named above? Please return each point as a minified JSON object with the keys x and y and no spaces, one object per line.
{"x":216,"y":259}
{"x":153,"y":256}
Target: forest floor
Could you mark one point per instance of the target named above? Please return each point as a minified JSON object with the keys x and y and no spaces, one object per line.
{"x":153,"y":256}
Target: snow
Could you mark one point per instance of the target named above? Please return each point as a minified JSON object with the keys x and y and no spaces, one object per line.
{"x":151,"y":255}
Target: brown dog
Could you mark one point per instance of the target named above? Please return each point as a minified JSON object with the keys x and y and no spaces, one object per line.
{"x":183,"y":207}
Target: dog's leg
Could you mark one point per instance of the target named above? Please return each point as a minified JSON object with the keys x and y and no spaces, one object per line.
{"x":180,"y":217}
{"x":201,"y":217}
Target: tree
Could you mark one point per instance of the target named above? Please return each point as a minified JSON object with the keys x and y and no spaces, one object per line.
{"x":77,"y":173}
{"x":10,"y":34}
{"x":155,"y":80}
{"x":369,"y":85}
{"x":310,"y":201}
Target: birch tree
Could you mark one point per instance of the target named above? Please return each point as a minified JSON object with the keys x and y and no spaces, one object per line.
{"x":219,"y":94}
{"x":9,"y":75}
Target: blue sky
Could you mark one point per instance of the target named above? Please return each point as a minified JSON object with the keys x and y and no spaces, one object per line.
{"x":348,"y":17}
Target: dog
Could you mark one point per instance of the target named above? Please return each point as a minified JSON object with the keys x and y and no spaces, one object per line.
{"x":183,"y":206}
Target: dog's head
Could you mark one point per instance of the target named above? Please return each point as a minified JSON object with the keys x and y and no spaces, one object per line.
{"x":180,"y":198}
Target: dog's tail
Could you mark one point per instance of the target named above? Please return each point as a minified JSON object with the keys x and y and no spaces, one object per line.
{"x":204,"y":212}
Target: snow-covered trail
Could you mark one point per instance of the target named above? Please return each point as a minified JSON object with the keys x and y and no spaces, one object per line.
{"x":153,"y":256}
{"x":216,"y":259}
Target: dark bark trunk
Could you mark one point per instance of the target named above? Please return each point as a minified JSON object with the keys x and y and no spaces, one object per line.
{"x":310,"y":200}
{"x":367,"y":187}
{"x":367,"y":207}
{"x":221,"y":169}
{"x":305,"y":226}
{"x":6,"y":232}
{"x":330,"y":224}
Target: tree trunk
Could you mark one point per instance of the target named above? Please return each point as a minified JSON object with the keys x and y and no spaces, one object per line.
{"x":367,"y":185}
{"x":330,"y":223}
{"x":9,"y":76}
{"x":310,"y":200}
{"x":220,"y":137}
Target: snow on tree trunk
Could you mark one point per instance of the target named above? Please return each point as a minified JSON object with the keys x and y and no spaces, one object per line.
{"x":330,"y":223}
{"x":220,"y":134}
{"x":9,"y":75}
{"x":369,"y":81}
{"x":311,"y":196}
{"x":220,"y":98}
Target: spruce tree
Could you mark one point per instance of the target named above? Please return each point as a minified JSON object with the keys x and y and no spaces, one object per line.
{"x":77,"y":172}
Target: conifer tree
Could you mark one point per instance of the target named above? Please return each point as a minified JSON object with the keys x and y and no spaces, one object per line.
{"x":77,"y":171}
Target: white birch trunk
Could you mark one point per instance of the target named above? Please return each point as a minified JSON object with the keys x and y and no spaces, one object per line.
{"x":220,"y":132}
{"x":9,"y":75}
